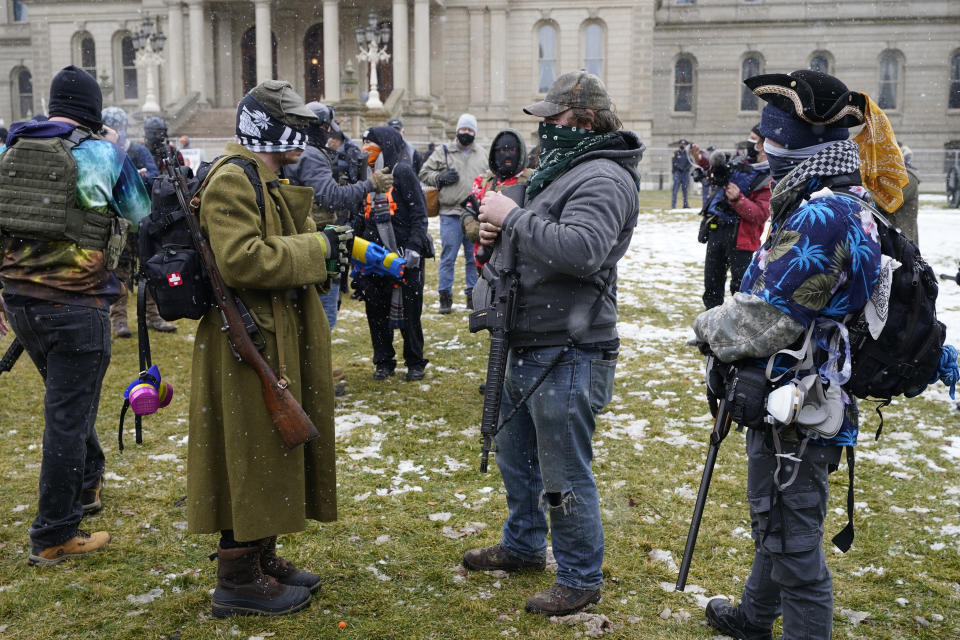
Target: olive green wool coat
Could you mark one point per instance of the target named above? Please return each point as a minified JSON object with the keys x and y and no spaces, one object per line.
{"x":240,"y":475}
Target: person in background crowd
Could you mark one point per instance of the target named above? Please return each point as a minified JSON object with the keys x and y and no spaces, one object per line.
{"x":390,"y":304}
{"x":332,"y":201}
{"x":452,"y":169}
{"x":680,"y":166}
{"x":416,"y":158}
{"x":508,"y":156}
{"x":57,"y":289}
{"x":116,"y":118}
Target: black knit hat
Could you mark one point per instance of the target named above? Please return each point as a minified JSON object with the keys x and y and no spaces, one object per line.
{"x":75,"y":94}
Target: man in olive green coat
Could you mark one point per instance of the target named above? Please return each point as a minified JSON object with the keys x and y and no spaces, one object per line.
{"x":242,"y":481}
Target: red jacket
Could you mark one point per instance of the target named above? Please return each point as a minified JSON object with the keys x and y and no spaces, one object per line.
{"x":753,"y":211}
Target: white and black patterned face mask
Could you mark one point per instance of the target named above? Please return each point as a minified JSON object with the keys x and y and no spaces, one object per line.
{"x":783,"y":161}
{"x":833,"y":159}
{"x":259,"y":131}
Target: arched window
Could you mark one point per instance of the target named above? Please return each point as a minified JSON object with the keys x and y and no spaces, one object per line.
{"x":954,"y":100}
{"x":749,"y":67}
{"x":547,"y":57}
{"x":820,"y":62}
{"x":128,"y":67}
{"x":313,"y":63}
{"x":683,"y":81}
{"x":248,"y":57}
{"x":593,"y":49}
{"x":22,"y":91}
{"x":889,"y":89}
{"x":85,"y":52}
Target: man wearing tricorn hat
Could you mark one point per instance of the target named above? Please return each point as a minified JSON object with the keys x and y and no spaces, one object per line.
{"x":571,"y":227}
{"x":242,"y":481}
{"x":820,"y":263}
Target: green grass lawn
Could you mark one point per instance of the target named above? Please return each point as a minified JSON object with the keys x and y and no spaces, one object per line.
{"x":412,"y":499}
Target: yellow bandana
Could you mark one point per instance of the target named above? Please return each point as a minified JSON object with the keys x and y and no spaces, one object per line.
{"x":881,"y":161}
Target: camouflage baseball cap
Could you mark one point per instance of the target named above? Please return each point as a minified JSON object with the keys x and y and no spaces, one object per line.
{"x":283,"y":103}
{"x":576,"y":89}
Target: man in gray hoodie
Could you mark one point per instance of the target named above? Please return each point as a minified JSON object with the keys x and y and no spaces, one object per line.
{"x":567,"y":234}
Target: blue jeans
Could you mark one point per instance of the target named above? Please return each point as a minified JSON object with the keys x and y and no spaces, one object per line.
{"x":681,"y":180}
{"x":70,"y":345}
{"x":330,"y":300}
{"x":451,"y":239}
{"x":544,"y":455}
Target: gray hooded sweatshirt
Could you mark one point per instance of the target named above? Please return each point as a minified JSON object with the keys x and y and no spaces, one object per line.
{"x":568,"y":240}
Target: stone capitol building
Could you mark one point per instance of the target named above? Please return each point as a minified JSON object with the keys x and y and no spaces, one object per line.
{"x":673,"y":67}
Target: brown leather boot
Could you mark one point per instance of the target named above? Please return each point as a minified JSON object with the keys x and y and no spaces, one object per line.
{"x":283,"y":571}
{"x":118,"y":316}
{"x":154,"y":321}
{"x":244,"y":590}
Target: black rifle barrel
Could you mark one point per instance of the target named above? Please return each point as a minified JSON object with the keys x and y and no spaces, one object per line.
{"x":14,"y":351}
{"x":947,"y":276}
{"x":720,"y":429}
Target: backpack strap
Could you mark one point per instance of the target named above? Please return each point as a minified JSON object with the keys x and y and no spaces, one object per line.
{"x":844,"y":539}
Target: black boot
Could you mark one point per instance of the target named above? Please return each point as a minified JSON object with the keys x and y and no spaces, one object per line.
{"x":727,"y":618}
{"x":283,"y":571}
{"x":446,"y":302}
{"x":244,"y":590}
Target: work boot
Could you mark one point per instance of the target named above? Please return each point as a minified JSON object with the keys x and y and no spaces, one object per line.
{"x":79,"y":545}
{"x":446,"y":302}
{"x":727,"y":619}
{"x":244,"y":590}
{"x":154,"y":321}
{"x":414,"y":374}
{"x":495,"y":557}
{"x":118,"y":316}
{"x":90,"y":498}
{"x":561,"y":600}
{"x":470,"y":300}
{"x":283,"y":571}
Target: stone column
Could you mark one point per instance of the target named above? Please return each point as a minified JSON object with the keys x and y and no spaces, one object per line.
{"x":475,"y":38}
{"x":401,"y":46}
{"x":264,"y":40}
{"x":197,"y":63}
{"x":421,"y":43}
{"x":224,"y":57}
{"x":498,"y":55}
{"x":174,"y":50}
{"x":331,"y":51}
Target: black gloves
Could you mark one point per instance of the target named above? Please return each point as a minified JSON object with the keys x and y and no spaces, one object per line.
{"x":339,"y":246}
{"x":472,"y":205}
{"x":448,"y":177}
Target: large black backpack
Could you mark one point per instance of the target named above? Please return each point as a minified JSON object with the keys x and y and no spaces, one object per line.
{"x":172,"y":267}
{"x":906,"y":354}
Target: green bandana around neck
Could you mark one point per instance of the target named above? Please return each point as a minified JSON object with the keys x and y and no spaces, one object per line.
{"x":559,"y":145}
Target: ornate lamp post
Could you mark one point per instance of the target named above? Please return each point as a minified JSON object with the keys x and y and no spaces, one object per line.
{"x":148,"y":44}
{"x":373,"y":41}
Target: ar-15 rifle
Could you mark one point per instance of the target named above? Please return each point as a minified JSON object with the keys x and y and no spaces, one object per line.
{"x":721,"y":427}
{"x":14,"y":351}
{"x":498,"y":318}
{"x":289,"y":418}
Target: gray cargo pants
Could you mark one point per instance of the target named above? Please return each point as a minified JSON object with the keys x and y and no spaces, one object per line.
{"x":789,"y":575}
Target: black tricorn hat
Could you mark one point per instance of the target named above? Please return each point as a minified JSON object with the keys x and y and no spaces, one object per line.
{"x":811,"y":96}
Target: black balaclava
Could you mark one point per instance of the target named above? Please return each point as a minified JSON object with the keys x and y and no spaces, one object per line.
{"x":155,"y":134}
{"x":75,"y":94}
{"x":506,"y":156}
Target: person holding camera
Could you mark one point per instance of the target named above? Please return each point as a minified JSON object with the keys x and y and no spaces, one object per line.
{"x":396,"y":220}
{"x":67,"y":194}
{"x":452,"y":169}
{"x":738,"y":205}
{"x":565,"y":236}
{"x":820,"y":262}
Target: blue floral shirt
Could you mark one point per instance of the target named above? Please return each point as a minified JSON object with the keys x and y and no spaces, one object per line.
{"x":822,"y":261}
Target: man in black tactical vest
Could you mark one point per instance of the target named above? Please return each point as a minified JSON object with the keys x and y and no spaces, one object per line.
{"x":67,"y":197}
